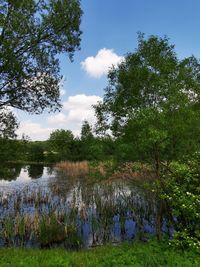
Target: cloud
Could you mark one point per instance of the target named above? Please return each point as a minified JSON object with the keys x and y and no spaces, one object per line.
{"x":100,"y":64}
{"x":76,"y":109}
{"x":58,"y":119}
{"x":34,"y":130}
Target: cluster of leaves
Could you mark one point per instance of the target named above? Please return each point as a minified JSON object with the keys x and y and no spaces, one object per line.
{"x":32,"y":34}
{"x":152,"y":107}
{"x":151,"y":103}
{"x":182,"y":193}
{"x":8,"y":124}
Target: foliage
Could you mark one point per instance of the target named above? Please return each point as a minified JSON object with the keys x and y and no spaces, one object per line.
{"x":51,"y":231}
{"x":151,"y":102}
{"x":60,"y":143}
{"x":9,"y":149}
{"x":32,"y":34}
{"x":8,"y":124}
{"x":86,"y":131}
{"x":151,"y":105}
{"x":60,"y":146}
{"x":182,"y":192}
{"x":35,"y":152}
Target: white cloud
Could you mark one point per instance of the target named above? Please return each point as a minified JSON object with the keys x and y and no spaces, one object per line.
{"x":58,"y":119}
{"x":99,"y":65}
{"x":34,"y":130}
{"x":76,"y":109}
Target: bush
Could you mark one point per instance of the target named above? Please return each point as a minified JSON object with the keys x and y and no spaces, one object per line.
{"x":182,"y":193}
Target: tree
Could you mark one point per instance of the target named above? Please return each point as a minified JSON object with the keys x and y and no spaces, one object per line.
{"x":86,"y":131}
{"x":61,"y":144}
{"x":152,"y":102}
{"x":32,"y":34}
{"x":8,"y":124}
{"x":36,"y":151}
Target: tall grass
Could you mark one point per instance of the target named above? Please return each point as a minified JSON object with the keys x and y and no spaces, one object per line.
{"x":74,"y":169}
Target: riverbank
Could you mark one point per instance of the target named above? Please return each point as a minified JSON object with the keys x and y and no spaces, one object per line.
{"x":138,"y":254}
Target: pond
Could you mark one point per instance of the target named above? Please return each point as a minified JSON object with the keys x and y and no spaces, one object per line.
{"x":42,"y":207}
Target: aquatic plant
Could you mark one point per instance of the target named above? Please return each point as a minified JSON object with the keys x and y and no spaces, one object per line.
{"x":8,"y":230}
{"x":73,"y":169}
{"x":49,"y":215}
{"x":51,"y":231}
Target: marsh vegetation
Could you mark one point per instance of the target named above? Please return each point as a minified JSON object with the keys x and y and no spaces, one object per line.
{"x":61,"y":208}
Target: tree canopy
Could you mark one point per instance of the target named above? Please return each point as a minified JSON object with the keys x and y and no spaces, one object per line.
{"x":8,"y":124}
{"x":86,"y":131}
{"x":32,"y":34}
{"x":60,"y":143}
{"x":152,"y":101}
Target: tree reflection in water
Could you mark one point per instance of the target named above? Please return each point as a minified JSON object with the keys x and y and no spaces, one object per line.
{"x":74,"y":212}
{"x":35,"y":171}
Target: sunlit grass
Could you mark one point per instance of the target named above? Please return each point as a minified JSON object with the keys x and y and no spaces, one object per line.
{"x":138,"y":254}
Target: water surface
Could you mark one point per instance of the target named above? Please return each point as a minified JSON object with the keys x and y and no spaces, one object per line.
{"x":35,"y":197}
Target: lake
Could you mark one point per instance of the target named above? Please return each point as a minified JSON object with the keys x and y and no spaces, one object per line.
{"x":43,"y":207}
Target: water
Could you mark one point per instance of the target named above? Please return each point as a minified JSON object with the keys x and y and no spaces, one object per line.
{"x":42,"y":207}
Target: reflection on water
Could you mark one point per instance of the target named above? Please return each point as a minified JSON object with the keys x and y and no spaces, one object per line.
{"x":35,"y":171}
{"x":57,"y":209}
{"x":19,"y":174}
{"x":9,"y":172}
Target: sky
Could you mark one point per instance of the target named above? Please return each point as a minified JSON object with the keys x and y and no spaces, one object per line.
{"x":109,"y":32}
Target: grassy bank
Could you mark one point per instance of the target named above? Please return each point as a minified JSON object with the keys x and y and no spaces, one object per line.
{"x":137,"y":254}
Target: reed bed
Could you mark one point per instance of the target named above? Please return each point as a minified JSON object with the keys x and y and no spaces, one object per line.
{"x":101,"y":213}
{"x":133,"y":171}
{"x":74,"y":169}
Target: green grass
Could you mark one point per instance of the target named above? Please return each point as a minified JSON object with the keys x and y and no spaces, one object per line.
{"x":137,"y":255}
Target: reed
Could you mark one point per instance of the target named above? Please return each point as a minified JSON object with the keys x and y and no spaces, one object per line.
{"x":133,"y":171}
{"x":74,"y":169}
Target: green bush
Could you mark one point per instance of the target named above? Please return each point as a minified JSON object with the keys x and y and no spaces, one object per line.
{"x":182,"y":193}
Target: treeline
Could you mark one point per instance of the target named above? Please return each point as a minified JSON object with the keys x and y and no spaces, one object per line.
{"x":61,"y":145}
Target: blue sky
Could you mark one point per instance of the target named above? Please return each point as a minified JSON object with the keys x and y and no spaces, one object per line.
{"x":110,"y":31}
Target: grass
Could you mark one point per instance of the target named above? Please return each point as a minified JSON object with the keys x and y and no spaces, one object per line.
{"x":138,"y":255}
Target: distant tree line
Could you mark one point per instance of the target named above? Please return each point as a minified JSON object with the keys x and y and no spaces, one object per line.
{"x":61,"y":145}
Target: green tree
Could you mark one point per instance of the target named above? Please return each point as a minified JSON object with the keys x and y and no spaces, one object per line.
{"x":61,"y":144}
{"x":182,"y":192}
{"x":8,"y":124}
{"x":9,"y":149}
{"x":32,"y":34}
{"x":36,"y":151}
{"x":91,"y":147}
{"x":86,"y":131}
{"x":152,"y":102}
